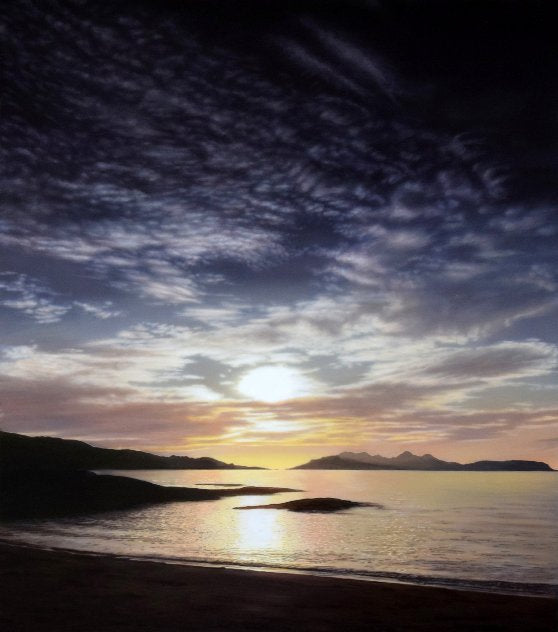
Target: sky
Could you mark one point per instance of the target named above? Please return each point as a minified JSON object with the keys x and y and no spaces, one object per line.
{"x":272,"y":231}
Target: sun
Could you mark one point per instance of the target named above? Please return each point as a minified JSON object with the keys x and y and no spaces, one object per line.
{"x":273,"y":384}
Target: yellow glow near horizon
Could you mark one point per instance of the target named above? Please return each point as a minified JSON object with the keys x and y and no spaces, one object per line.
{"x":273,"y":384}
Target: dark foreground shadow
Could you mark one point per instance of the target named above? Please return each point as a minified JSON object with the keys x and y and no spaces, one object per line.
{"x":46,"y":591}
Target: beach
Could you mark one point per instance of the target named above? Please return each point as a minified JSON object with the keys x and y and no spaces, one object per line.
{"x":62,"y":591}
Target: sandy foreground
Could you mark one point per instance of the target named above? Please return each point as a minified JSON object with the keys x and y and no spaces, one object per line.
{"x":60,"y":591}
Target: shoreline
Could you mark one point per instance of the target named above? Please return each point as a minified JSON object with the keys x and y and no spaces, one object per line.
{"x":44,"y":590}
{"x":495,"y":587}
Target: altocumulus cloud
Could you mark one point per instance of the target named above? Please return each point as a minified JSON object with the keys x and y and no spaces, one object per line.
{"x":193,"y":194}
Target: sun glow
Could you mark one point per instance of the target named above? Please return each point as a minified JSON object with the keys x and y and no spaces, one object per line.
{"x":273,"y":384}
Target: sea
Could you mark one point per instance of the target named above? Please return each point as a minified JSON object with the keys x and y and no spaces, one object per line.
{"x":493,"y":531}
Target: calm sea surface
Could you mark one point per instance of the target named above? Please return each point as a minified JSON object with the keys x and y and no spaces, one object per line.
{"x":489,"y":530}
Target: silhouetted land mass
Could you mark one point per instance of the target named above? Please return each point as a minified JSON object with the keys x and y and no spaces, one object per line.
{"x":409,"y":461}
{"x":51,"y":493}
{"x":45,"y":477}
{"x":50,"y":453}
{"x":315,"y":505}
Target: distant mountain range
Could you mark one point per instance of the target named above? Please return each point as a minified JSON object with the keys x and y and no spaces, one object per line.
{"x":18,"y":452}
{"x":410,"y":461}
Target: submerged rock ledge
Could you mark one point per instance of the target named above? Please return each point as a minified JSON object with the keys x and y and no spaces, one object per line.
{"x":316,"y":505}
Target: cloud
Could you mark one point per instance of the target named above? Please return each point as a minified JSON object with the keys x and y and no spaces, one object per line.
{"x":183,"y":208}
{"x":247,"y":165}
{"x":432,"y":294}
{"x":176,"y":398}
{"x":550,"y":441}
{"x":102,"y":311}
{"x":369,"y":71}
{"x":506,"y":360}
{"x":23,"y":294}
{"x":79,"y":410}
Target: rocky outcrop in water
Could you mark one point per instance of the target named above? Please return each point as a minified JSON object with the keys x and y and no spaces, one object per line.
{"x":317,"y":505}
{"x":43,"y":494}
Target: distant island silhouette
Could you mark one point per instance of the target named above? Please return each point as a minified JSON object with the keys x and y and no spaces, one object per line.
{"x":409,"y":461}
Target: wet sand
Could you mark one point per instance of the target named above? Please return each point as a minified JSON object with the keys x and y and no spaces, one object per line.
{"x":58,"y":591}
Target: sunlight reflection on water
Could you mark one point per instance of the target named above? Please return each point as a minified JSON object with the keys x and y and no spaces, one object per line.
{"x":471,"y":525}
{"x":258,"y":530}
